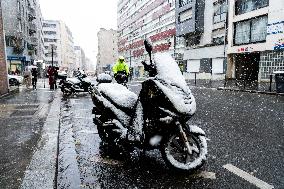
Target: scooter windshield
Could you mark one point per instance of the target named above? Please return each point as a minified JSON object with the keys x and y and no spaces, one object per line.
{"x":173,"y":84}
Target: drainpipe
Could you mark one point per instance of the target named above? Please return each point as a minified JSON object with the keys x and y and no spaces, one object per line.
{"x":225,"y":36}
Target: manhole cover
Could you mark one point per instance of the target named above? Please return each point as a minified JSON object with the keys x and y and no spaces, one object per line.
{"x":27,"y":106}
{"x":23,"y":113}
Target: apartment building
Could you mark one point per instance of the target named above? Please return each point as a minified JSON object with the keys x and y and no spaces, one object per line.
{"x":202,"y":24}
{"x":22,"y":26}
{"x":67,"y":48}
{"x":57,"y":34}
{"x":140,"y":19}
{"x":107,"y":50}
{"x":255,"y":39}
{"x":52,"y":39}
{"x":80,"y":58}
{"x":3,"y":64}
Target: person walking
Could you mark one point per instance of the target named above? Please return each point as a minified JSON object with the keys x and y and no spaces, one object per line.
{"x":27,"y":77}
{"x":51,"y":77}
{"x":34,"y":77}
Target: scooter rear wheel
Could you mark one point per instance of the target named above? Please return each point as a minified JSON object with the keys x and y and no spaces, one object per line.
{"x":175,"y":153}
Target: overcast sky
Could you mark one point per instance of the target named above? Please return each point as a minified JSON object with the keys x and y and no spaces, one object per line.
{"x":84,"y":18}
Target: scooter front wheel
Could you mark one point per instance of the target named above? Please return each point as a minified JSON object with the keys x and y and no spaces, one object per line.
{"x":177,"y":156}
{"x":66,"y":91}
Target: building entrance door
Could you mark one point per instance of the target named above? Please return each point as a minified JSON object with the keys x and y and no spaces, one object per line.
{"x":247,"y":67}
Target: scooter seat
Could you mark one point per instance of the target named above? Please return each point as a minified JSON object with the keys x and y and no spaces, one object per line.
{"x":119,"y":95}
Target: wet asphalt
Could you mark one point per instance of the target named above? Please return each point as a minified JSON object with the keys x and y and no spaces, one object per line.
{"x":22,"y":116}
{"x":243,"y":129}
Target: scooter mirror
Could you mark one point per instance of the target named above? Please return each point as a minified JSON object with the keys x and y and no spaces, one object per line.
{"x":148,"y":46}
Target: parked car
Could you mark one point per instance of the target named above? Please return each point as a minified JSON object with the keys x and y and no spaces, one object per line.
{"x":15,"y":80}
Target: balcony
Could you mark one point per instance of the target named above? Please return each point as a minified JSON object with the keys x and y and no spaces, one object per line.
{"x":32,"y":14}
{"x":34,"y":41}
{"x":32,"y":28}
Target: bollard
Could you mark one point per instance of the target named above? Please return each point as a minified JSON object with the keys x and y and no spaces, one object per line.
{"x":270,"y":82}
{"x":195,"y":78}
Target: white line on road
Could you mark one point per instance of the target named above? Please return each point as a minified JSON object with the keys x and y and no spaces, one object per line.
{"x":248,"y":177}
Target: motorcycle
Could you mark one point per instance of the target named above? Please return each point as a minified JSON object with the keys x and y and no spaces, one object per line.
{"x":79,"y":83}
{"x":121,"y":78}
{"x":156,"y":119}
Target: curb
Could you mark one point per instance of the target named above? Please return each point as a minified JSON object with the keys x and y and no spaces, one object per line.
{"x":10,"y":93}
{"x":250,"y":91}
{"x":41,"y":172}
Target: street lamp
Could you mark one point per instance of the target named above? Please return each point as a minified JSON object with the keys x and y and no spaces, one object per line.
{"x":52,"y":47}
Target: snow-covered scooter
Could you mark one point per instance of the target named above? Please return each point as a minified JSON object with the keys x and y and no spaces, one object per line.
{"x":156,"y":119}
{"x":79,"y":83}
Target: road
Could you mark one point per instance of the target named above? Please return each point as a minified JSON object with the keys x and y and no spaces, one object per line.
{"x":245,"y":146}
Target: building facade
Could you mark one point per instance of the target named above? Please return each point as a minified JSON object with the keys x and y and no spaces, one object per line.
{"x":202,"y":24}
{"x":80,"y":58}
{"x":3,"y":64}
{"x":140,"y":19}
{"x":107,"y":50}
{"x":67,"y":48}
{"x":22,"y":26}
{"x":255,"y":39}
{"x":51,"y":32}
{"x":57,"y":34}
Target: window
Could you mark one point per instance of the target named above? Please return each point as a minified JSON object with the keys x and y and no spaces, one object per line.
{"x":184,"y":2}
{"x":192,"y":40}
{"x":50,"y":32}
{"x":244,"y":6}
{"x":218,"y":40}
{"x":220,"y":12}
{"x":185,"y":15}
{"x":258,"y":29}
{"x":251,"y":31}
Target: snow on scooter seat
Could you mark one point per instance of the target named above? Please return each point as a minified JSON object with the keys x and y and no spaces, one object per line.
{"x":173,"y":84}
{"x":119,"y":94}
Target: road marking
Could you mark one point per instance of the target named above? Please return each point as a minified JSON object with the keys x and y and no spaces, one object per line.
{"x":206,"y":175}
{"x":248,"y":177}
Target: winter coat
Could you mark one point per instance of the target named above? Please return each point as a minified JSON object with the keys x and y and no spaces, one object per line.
{"x":120,"y":66}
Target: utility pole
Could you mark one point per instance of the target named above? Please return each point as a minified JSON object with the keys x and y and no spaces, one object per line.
{"x":225,"y":36}
{"x":3,"y":65}
{"x":52,"y":55}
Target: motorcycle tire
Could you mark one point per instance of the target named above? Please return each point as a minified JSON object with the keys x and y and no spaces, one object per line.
{"x":183,"y":161}
{"x":106,"y":136}
{"x":66,"y":92}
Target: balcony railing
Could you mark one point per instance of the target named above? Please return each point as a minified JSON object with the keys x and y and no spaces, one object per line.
{"x":32,"y":28}
{"x":33,"y":41}
{"x":32,"y":14}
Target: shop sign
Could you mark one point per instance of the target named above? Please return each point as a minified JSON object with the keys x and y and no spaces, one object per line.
{"x":21,"y":58}
{"x":245,"y":49}
{"x":279,"y":44}
{"x":275,"y":28}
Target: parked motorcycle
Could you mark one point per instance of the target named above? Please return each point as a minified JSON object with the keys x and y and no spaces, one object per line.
{"x":156,"y":119}
{"x":121,"y":78}
{"x":79,"y":83}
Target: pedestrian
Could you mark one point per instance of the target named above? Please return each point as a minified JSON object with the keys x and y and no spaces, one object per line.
{"x":55,"y":76}
{"x":51,"y":78}
{"x":27,"y":77}
{"x":34,"y":77}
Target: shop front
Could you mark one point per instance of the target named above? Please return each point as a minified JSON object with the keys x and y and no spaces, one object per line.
{"x":16,"y":64}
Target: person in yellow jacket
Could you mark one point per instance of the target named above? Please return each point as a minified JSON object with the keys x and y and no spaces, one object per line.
{"x":120,"y":67}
